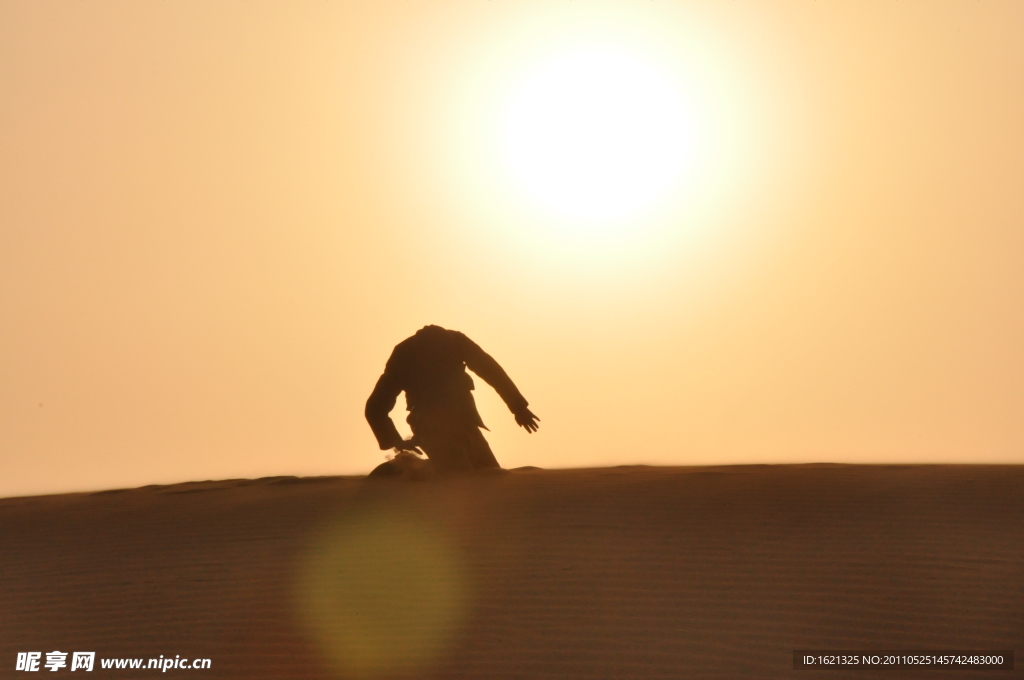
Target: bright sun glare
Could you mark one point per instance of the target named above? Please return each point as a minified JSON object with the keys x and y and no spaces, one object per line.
{"x":598,"y":135}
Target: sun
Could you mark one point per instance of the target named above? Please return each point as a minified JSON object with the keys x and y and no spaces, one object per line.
{"x":597,"y":135}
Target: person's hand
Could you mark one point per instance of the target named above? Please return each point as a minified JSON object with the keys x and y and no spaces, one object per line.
{"x":526,"y":418}
{"x":410,"y":445}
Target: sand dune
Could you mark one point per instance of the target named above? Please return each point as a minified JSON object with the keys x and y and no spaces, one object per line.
{"x":709,"y":572}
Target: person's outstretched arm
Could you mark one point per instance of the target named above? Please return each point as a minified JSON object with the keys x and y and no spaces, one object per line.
{"x":484,"y":365}
{"x":378,"y":406}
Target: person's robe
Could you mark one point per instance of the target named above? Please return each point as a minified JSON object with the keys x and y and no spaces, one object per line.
{"x":431,"y":368}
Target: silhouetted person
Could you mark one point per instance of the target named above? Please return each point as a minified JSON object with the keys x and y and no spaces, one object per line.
{"x":431,"y":368}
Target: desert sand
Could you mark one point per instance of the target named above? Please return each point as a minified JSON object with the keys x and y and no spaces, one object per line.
{"x":631,"y":572}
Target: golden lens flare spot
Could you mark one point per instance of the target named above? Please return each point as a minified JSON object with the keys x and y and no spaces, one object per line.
{"x":382,"y":594}
{"x":597,"y":134}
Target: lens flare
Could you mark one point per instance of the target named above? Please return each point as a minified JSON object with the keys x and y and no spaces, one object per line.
{"x":381,"y":594}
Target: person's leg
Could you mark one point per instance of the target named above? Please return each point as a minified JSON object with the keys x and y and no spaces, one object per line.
{"x":478,"y":451}
{"x":385,"y":470}
{"x":405,"y":465}
{"x":440,"y":440}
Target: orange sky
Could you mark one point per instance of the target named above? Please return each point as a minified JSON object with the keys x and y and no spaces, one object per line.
{"x":217,"y":219}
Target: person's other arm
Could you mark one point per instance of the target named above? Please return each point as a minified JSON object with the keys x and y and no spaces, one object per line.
{"x":378,"y":406}
{"x":484,"y":365}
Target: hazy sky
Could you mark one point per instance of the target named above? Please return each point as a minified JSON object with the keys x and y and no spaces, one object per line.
{"x":217,"y":219}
